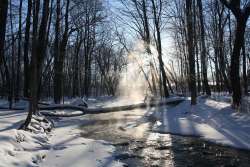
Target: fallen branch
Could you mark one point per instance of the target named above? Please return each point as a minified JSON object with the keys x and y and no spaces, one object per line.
{"x":84,"y":110}
{"x":50,"y":107}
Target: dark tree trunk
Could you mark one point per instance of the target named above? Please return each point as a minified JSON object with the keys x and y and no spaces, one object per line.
{"x":38,"y":52}
{"x":221,"y":55}
{"x":244,"y":70}
{"x":42,"y":39}
{"x":18,"y":69}
{"x":13,"y":76}
{"x":222,"y":61}
{"x":47,"y":77}
{"x":87,"y":58}
{"x":235,"y":62}
{"x":75,"y":83}
{"x":33,"y":67}
{"x":63,"y":45}
{"x":146,"y":26}
{"x":191,"y":56}
{"x":159,"y":48}
{"x":57,"y":90}
{"x":3,"y":18}
{"x":59,"y":64}
{"x":203,"y":50}
{"x":26,"y":50}
{"x":241,"y":16}
{"x":196,"y":50}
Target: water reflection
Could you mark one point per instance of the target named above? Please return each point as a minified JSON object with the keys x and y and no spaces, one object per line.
{"x":136,"y":145}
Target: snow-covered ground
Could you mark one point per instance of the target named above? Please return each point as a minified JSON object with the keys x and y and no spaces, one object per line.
{"x":68,"y":148}
{"x":64,"y":146}
{"x":211,"y":120}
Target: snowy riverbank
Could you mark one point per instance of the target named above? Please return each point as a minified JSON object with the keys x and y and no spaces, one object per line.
{"x":211,"y":120}
{"x":64,"y":146}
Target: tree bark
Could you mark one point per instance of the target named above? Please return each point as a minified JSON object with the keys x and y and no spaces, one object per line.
{"x":18,"y":69}
{"x":57,"y":89}
{"x":203,"y":50}
{"x":146,"y":26}
{"x":3,"y":18}
{"x":235,"y":62}
{"x":26,"y":50}
{"x":241,"y":16}
{"x":60,"y":54}
{"x":191,"y":56}
{"x":244,"y":70}
{"x":159,"y":46}
{"x":38,"y":52}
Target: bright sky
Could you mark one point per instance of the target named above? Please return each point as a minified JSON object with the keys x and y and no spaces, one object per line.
{"x":167,"y":42}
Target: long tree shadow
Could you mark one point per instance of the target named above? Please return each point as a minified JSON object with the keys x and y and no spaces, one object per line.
{"x":4,"y":112}
{"x":130,"y":132}
{"x":12,"y":126}
{"x":136,"y":145}
{"x":193,"y":151}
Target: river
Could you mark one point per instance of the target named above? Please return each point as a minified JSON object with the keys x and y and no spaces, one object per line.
{"x":137,"y":145}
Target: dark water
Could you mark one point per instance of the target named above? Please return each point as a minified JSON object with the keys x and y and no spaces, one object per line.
{"x":136,"y":145}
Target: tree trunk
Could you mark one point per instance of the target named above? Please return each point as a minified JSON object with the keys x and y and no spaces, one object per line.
{"x":241,"y":16}
{"x":3,"y":18}
{"x":191,"y":56}
{"x":59,"y":64}
{"x":203,"y":50}
{"x":38,"y":51}
{"x":235,"y":62}
{"x":146,"y":27}
{"x":18,"y":69}
{"x":57,"y":89}
{"x":26,"y":50}
{"x":244,"y":70}
{"x":159,"y":47}
{"x":13,"y":76}
{"x":75,"y":82}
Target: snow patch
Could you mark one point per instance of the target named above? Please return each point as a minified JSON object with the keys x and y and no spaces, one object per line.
{"x":63,"y":146}
{"x":211,"y":120}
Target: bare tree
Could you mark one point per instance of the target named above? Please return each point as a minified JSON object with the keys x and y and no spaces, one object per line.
{"x":191,"y":57}
{"x":203,"y":50}
{"x":38,"y":52}
{"x":57,"y":62}
{"x":3,"y":18}
{"x":157,"y":15}
{"x":18,"y":68}
{"x":241,"y":15}
{"x":26,"y":49}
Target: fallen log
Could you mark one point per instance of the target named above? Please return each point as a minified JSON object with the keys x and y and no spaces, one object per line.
{"x":49,"y":107}
{"x":62,"y":107}
{"x":22,"y":108}
{"x":83,"y":110}
{"x":12,"y":108}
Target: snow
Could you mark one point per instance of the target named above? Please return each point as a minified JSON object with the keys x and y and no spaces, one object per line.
{"x":79,"y":102}
{"x":63,"y":146}
{"x":68,"y":148}
{"x":211,"y":120}
{"x":18,"y":147}
{"x":100,"y":106}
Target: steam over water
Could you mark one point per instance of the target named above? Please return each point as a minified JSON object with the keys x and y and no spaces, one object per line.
{"x":133,"y":83}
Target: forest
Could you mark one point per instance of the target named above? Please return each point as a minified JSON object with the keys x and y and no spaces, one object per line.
{"x":122,"y":71}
